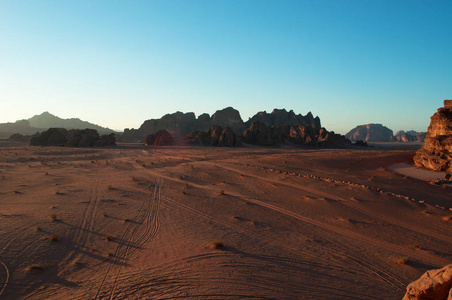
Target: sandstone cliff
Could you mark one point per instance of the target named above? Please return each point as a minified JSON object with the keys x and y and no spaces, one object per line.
{"x":432,"y":285}
{"x":280,"y":117}
{"x":260,"y":134}
{"x":216,"y":136}
{"x":180,"y":123}
{"x":436,"y":153}
{"x":370,"y":133}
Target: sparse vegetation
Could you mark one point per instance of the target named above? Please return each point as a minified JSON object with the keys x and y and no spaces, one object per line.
{"x":53,"y":217}
{"x":108,"y":237}
{"x":184,"y":192}
{"x":38,"y":228}
{"x":125,"y":220}
{"x":104,"y":214}
{"x":403,"y":260}
{"x":54,"y":238}
{"x":222,"y":192}
{"x":217,"y":245}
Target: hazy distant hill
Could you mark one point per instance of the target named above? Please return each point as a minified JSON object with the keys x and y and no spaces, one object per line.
{"x":45,"y":121}
{"x":370,"y":133}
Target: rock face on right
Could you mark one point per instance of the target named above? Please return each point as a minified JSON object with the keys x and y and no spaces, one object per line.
{"x":436,"y":153}
{"x":432,"y":285}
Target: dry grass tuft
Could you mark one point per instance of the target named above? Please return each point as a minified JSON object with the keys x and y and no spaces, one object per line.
{"x":53,"y":217}
{"x":184,"y":192}
{"x":217,"y":245}
{"x":38,"y":228}
{"x":222,"y":192}
{"x":403,"y":260}
{"x":54,"y":238}
{"x":104,"y":214}
{"x":108,"y":237}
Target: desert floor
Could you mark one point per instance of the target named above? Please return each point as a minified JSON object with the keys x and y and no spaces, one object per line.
{"x":139,"y":223}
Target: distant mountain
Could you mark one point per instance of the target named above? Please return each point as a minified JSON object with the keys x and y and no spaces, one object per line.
{"x":44,"y":121}
{"x":409,"y":136}
{"x":370,"y":133}
{"x":380,"y":133}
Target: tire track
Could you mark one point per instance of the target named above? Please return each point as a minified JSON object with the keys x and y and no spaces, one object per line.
{"x":147,"y":217}
{"x":6,"y":277}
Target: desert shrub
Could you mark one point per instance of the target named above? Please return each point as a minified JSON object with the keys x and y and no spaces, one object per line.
{"x":403,"y":260}
{"x":184,"y":192}
{"x":217,"y":245}
{"x":108,"y":237}
{"x":54,"y":238}
{"x":38,"y":228}
{"x":53,"y":217}
{"x":222,"y":192}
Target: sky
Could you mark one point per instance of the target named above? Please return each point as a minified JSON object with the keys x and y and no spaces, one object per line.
{"x":117,"y":63}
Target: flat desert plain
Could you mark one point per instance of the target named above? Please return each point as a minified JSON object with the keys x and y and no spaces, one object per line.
{"x":136,"y":222}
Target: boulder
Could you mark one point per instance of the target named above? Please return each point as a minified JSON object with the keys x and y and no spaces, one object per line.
{"x":436,"y":153}
{"x":432,"y":285}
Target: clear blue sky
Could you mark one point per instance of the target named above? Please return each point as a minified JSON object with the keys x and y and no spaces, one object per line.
{"x":118,"y":63}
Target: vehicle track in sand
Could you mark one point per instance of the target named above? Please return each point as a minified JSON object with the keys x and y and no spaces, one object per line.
{"x":4,"y":278}
{"x":333,"y":228}
{"x":214,"y":272}
{"x":146,"y":220}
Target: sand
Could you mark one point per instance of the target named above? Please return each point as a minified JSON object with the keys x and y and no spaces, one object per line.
{"x":140,"y":223}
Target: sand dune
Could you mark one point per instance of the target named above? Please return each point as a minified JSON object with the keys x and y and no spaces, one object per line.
{"x":139,"y":223}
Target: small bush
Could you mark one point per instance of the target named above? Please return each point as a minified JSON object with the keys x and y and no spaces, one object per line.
{"x":104,"y":214}
{"x":53,"y":217}
{"x":217,"y":245}
{"x":108,"y":237}
{"x":54,"y":238}
{"x":222,"y":192}
{"x":38,"y":228}
{"x":184,"y":192}
{"x":403,"y":260}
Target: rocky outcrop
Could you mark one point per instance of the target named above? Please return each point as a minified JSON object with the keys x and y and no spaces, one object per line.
{"x":72,"y":138}
{"x":370,"y":133}
{"x":280,"y":117}
{"x":409,"y":136}
{"x":183,"y":123}
{"x":216,"y":136}
{"x":436,"y":153}
{"x":160,"y":138}
{"x":260,"y":134}
{"x":432,"y":285}
{"x":51,"y":137}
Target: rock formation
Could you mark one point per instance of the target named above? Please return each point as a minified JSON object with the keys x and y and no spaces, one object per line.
{"x":216,"y":136}
{"x":183,"y":123}
{"x":409,"y":136}
{"x":160,"y":138}
{"x":260,"y":134}
{"x":432,"y":285}
{"x":72,"y":138}
{"x":280,"y":117}
{"x":436,"y":153}
{"x":370,"y":133}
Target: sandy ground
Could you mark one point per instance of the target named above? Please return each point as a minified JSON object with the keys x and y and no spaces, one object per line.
{"x":139,"y":223}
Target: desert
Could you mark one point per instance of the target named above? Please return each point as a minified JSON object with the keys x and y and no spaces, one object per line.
{"x":136,"y":222}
